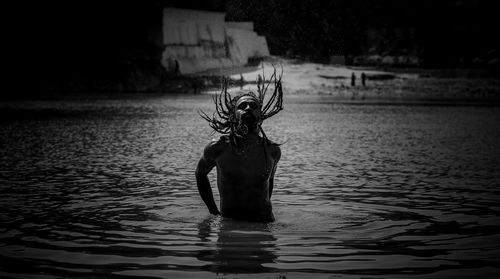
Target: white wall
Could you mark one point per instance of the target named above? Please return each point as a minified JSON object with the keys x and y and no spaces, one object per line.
{"x":181,"y":26}
{"x":245,"y":25}
{"x":247,"y":44}
{"x":202,"y":40}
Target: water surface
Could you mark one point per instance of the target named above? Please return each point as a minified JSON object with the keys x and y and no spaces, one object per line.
{"x":106,"y":188}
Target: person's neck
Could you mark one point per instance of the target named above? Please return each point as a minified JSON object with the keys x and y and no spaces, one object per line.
{"x":251,"y":138}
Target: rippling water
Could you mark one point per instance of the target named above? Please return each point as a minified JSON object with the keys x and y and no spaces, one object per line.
{"x":106,"y":188}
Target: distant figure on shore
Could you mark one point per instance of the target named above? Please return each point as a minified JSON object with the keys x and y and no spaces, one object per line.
{"x":363,"y":79}
{"x":176,"y":69}
{"x":196,"y":86}
{"x":245,"y":158}
{"x":353,"y":79}
{"x":242,"y":81}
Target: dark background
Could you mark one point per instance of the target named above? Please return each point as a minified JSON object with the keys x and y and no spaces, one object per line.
{"x":108,"y":40}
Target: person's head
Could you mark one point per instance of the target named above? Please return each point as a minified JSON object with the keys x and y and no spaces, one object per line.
{"x":244,"y":113}
{"x":247,"y":113}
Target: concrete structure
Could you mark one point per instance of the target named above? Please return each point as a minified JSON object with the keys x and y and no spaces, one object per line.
{"x":245,"y":25}
{"x":202,"y":40}
{"x":244,"y":43}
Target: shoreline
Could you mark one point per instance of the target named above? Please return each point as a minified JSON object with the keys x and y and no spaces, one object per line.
{"x":311,"y":98}
{"x":308,"y":79}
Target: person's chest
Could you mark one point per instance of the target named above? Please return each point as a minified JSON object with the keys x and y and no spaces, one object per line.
{"x":250,"y":164}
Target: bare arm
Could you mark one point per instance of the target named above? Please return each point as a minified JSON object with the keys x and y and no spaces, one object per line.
{"x":205,"y":165}
{"x":276,"y":157}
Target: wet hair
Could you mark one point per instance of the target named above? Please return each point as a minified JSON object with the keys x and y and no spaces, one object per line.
{"x":224,"y":121}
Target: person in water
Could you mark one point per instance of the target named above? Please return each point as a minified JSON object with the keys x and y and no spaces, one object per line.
{"x":244,"y":157}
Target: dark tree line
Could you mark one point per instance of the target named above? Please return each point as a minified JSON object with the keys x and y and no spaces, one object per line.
{"x":87,"y":40}
{"x":442,"y":33}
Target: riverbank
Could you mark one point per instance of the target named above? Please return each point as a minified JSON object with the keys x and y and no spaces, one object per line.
{"x":335,"y":82}
{"x":343,"y":83}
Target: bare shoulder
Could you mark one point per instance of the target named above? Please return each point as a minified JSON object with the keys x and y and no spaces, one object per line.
{"x":215,"y":147}
{"x":274,"y":149}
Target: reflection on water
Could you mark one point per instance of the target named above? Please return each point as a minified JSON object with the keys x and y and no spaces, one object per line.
{"x":241,"y":247}
{"x":105,"y":188}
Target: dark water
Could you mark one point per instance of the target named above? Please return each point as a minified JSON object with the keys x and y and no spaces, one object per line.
{"x":105,"y":188}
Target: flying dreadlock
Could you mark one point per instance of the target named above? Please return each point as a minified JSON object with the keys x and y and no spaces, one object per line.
{"x":224,"y":121}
